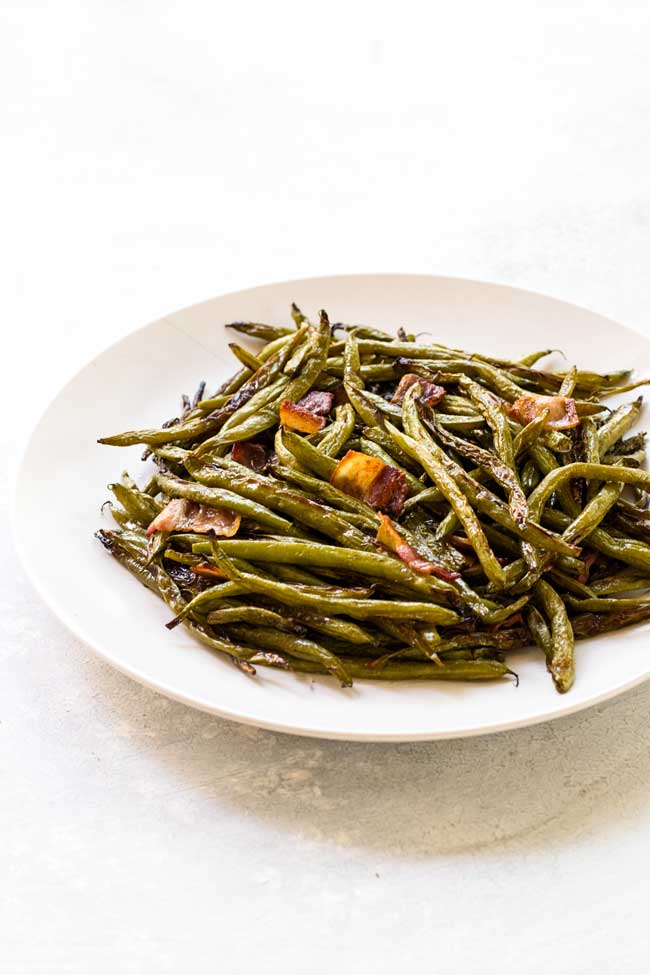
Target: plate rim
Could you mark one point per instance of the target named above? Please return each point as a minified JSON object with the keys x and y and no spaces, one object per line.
{"x":242,"y":716}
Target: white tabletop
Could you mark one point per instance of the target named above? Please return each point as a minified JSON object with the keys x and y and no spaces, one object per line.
{"x":156,"y":154}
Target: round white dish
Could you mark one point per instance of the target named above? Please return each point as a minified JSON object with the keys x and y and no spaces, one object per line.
{"x":138,"y":382}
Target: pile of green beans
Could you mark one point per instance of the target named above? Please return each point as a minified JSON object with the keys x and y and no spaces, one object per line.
{"x":512,"y":536}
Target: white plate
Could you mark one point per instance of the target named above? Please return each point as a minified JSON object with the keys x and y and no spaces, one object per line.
{"x":137,"y":383}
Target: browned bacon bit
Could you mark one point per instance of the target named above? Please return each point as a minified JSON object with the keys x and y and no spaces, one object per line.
{"x":562,"y":412}
{"x":250,"y":454}
{"x":431,"y":394}
{"x":205,"y":569}
{"x":390,"y":538}
{"x":296,"y":417}
{"x":589,"y":560}
{"x":317,"y":402}
{"x":181,"y":514}
{"x":370,"y":480}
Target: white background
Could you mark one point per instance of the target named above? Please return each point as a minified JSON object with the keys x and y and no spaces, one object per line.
{"x":153,"y":155}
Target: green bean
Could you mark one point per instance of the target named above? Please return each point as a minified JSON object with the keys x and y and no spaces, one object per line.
{"x":539,"y":630}
{"x":337,"y":435}
{"x":530,"y":477}
{"x":528,"y":435}
{"x":258,"y":615}
{"x":569,"y":382}
{"x":298,"y":317}
{"x":546,"y":462}
{"x":122,"y":517}
{"x":400,"y":458}
{"x":625,"y":581}
{"x":619,"y":423}
{"x":448,"y":525}
{"x":297,"y":646}
{"x":591,"y":450}
{"x":457,"y":670}
{"x":591,"y":624}
{"x":258,"y":330}
{"x":494,"y":417}
{"x":567,"y":582}
{"x":283,"y":342}
{"x":411,"y":637}
{"x":603,"y":472}
{"x":593,"y":513}
{"x":215,"y":403}
{"x":371,"y":371}
{"x":245,"y":357}
{"x":363,"y":331}
{"x":603,"y":605}
{"x":289,"y":573}
{"x":308,"y":455}
{"x":559,"y":655}
{"x":428,"y":496}
{"x":421,"y":447}
{"x":625,"y":388}
{"x":135,"y":563}
{"x":533,"y":357}
{"x":337,"y":627}
{"x":233,"y":384}
{"x":354,"y":385}
{"x":357,"y":608}
{"x":140,"y":507}
{"x":460,"y":405}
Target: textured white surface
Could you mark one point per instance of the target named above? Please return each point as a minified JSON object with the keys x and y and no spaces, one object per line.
{"x":156,"y":154}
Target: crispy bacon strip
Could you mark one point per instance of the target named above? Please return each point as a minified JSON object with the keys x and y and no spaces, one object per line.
{"x":562,"y":411}
{"x":431,"y":394}
{"x":390,"y":538}
{"x":181,"y":514}
{"x":317,"y":402}
{"x":372,"y":481}
{"x":296,"y":417}
{"x":250,"y":454}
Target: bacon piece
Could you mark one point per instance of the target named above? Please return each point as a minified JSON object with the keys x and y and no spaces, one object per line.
{"x":298,"y":418}
{"x":561,"y":416}
{"x":390,"y":538}
{"x":372,"y":481}
{"x":205,"y":569}
{"x":317,"y":402}
{"x":191,"y":516}
{"x":251,"y":455}
{"x":431,"y":394}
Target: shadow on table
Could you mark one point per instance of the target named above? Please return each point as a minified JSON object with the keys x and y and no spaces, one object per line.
{"x":533,"y":787}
